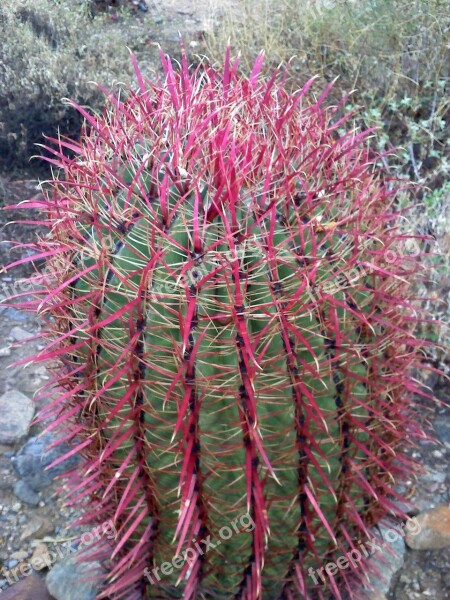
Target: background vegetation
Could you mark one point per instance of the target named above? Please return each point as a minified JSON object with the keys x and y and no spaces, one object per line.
{"x":394,"y":55}
{"x":51,"y":50}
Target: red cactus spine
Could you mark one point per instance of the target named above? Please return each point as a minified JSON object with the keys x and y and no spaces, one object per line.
{"x":228,"y":306}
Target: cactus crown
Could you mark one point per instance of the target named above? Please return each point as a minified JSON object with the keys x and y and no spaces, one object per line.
{"x":227,"y":304}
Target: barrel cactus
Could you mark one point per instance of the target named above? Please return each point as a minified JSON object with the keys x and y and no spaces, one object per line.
{"x":227,"y":304}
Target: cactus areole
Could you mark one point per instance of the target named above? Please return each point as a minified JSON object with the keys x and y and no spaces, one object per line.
{"x":226,"y":300}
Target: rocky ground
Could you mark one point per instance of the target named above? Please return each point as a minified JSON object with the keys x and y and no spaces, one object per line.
{"x":34,"y":522}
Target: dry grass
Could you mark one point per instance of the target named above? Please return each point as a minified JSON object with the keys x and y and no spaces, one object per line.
{"x":386,"y":43}
{"x":394,"y":55}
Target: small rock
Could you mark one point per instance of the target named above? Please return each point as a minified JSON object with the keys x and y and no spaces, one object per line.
{"x":19,"y":555}
{"x":37,"y":527}
{"x":20,"y":334}
{"x":16,"y":413}
{"x":6,"y":351}
{"x":40,"y":558}
{"x":389,"y":556}
{"x":67,"y":580}
{"x":32,"y":459}
{"x":15,"y":315}
{"x":10,"y":564}
{"x":23,"y":491}
{"x":433,"y":531}
{"x":29,"y":588}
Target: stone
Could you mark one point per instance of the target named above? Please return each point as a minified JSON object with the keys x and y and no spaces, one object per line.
{"x":30,"y":588}
{"x":16,"y":413}
{"x":67,"y":580}
{"x":11,"y":563}
{"x":388,"y":557}
{"x":19,"y":555}
{"x":433,"y":531}
{"x":32,"y":459}
{"x":5,"y":351}
{"x":37,"y":527}
{"x":23,"y":491}
{"x":20,"y":334}
{"x":40,"y":558}
{"x":15,"y":315}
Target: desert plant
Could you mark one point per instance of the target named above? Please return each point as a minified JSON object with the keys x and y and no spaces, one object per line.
{"x":227,"y":308}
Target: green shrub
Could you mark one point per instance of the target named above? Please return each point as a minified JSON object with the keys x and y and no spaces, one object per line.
{"x":50,"y":50}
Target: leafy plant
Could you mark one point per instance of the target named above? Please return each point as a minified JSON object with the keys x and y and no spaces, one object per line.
{"x":229,"y":321}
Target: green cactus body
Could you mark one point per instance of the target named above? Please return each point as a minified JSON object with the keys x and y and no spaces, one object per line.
{"x":239,"y":345}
